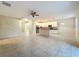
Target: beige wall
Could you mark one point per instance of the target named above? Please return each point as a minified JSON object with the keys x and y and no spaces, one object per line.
{"x":9,"y":27}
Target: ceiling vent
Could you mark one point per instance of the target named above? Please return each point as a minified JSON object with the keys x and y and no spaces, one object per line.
{"x":6,"y":3}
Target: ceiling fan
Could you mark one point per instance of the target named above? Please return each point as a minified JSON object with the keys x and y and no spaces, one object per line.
{"x":33,"y":13}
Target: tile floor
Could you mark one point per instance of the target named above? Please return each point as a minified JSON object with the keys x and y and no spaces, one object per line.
{"x":37,"y":46}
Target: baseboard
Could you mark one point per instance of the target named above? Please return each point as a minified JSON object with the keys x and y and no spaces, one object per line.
{"x":9,"y":36}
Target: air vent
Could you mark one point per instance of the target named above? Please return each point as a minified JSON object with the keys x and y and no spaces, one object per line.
{"x":6,"y":3}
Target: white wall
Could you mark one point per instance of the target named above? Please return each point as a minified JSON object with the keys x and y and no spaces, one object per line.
{"x":78,"y":27}
{"x":67,"y":30}
{"x":77,"y":24}
{"x":77,"y":34}
{"x":9,"y":27}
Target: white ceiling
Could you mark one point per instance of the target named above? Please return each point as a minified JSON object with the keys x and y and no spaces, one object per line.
{"x":46,"y":10}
